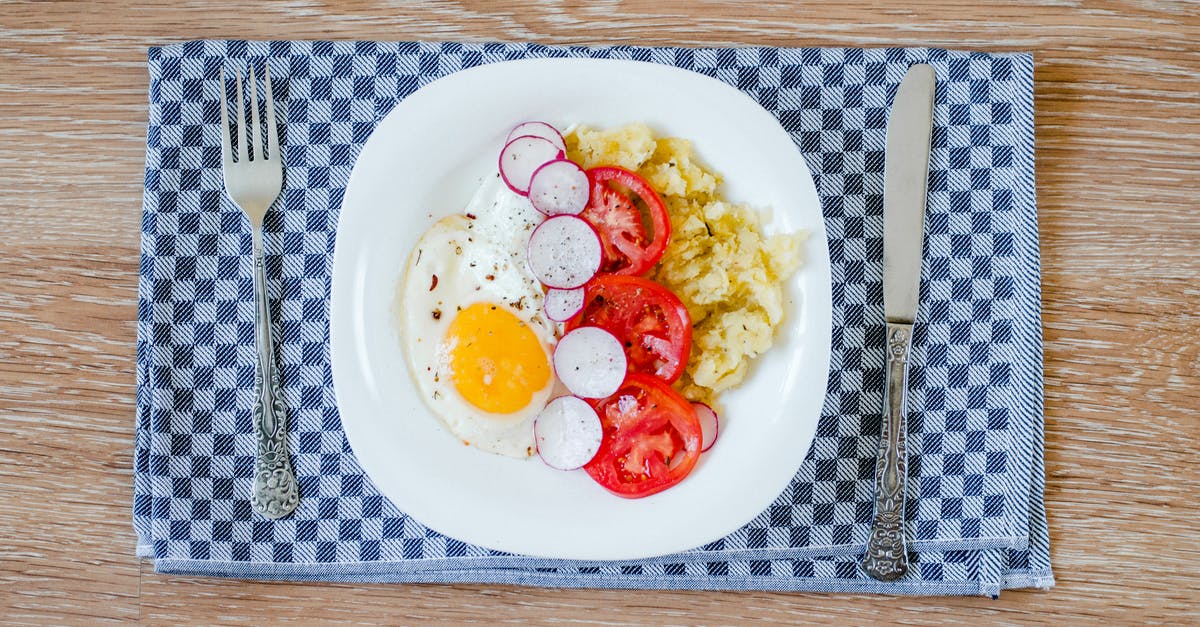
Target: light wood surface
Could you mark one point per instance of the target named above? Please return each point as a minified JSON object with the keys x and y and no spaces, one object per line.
{"x":1118,"y":160}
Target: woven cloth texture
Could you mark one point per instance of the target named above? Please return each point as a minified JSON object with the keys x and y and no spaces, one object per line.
{"x":976,"y":522}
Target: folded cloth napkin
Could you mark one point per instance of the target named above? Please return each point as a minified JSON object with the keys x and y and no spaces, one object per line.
{"x":976,"y":518}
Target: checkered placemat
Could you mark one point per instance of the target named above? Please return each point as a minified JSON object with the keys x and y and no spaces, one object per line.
{"x":975,"y":517}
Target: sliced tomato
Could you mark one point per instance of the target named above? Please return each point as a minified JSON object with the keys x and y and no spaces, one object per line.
{"x":649,"y":320}
{"x":651,"y":438}
{"x":628,"y":248}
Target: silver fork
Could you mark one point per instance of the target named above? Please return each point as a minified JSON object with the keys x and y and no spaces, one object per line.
{"x":253,"y":184}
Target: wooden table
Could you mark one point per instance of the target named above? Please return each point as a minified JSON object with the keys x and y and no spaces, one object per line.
{"x":1118,"y":160}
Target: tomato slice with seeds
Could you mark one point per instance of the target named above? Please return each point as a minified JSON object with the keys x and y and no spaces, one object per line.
{"x":650,"y":321}
{"x":651,"y":438}
{"x":628,"y":248}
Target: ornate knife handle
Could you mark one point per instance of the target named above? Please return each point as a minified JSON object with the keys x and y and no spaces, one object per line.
{"x":275,"y":491}
{"x":887,"y":558}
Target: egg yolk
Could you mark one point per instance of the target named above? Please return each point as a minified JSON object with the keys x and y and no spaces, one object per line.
{"x":495,"y":359}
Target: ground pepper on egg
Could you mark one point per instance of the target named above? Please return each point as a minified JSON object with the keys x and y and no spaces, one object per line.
{"x":728,"y":274}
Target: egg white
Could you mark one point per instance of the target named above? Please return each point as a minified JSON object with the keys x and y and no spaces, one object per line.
{"x":477,"y":256}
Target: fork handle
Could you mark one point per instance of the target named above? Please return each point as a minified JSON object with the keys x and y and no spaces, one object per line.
{"x":886,"y":558}
{"x":275,"y":491}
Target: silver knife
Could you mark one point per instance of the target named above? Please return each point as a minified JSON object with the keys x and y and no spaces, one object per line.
{"x":906,"y":173}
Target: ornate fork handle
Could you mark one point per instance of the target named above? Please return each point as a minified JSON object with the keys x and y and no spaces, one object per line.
{"x":887,"y":558}
{"x":275,"y":491}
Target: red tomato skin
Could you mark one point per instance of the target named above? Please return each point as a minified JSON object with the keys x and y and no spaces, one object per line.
{"x":661,"y":415}
{"x":628,"y":250}
{"x":621,"y":304}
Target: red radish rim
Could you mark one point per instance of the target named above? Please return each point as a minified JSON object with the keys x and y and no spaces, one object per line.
{"x":555,"y":138}
{"x":716,"y":424}
{"x":556,"y":291}
{"x":587,"y":188}
{"x":500,"y":161}
{"x":593,"y":268}
{"x":600,"y":434}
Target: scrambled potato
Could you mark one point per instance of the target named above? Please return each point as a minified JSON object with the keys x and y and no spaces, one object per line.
{"x":727,"y":273}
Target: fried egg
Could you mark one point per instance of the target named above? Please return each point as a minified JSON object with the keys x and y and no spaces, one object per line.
{"x":471,"y":321}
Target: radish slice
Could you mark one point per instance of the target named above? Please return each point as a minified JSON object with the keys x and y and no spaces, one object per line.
{"x":564,"y":252}
{"x":537,"y":129}
{"x":559,"y":186}
{"x":562,"y":305}
{"x":590,"y":362}
{"x":522,"y":156}
{"x":708,"y":425}
{"x":567,"y":432}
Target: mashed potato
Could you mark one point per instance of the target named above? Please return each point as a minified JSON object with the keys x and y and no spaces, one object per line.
{"x":719,"y":263}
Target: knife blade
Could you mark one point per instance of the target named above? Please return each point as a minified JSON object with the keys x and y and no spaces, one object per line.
{"x":906,"y":174}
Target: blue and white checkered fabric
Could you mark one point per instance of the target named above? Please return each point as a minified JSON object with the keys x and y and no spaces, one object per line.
{"x":976,"y":515}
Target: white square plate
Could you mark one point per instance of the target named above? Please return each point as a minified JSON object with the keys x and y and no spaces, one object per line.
{"x":424,"y":161}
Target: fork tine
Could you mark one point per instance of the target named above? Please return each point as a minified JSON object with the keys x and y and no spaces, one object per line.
{"x":243,"y":155}
{"x":226,"y":148}
{"x":272,"y":130}
{"x":255,"y":124}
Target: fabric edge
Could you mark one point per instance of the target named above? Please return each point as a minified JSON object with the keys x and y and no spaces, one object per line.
{"x":169,"y":48}
{"x":142,"y":371}
{"x":1032,"y":579}
{"x":1039,"y":543}
{"x":540,"y":579}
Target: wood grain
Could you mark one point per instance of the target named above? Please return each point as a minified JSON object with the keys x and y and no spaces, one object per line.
{"x":1118,"y":151}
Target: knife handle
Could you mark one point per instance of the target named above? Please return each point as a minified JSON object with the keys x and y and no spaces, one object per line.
{"x":886,"y":558}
